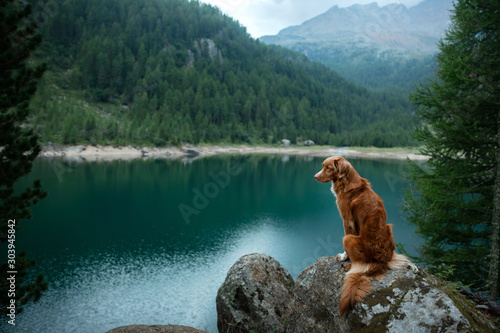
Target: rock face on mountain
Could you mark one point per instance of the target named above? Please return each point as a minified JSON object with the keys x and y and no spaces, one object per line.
{"x":260,"y":295}
{"x":410,"y":30}
{"x":374,"y":46}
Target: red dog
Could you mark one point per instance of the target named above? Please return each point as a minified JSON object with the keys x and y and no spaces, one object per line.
{"x":368,"y":241}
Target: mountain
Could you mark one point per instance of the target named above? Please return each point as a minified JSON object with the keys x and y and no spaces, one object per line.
{"x":168,"y":72}
{"x":391,"y":46}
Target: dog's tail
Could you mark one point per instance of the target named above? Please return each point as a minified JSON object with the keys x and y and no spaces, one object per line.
{"x":397,"y":261}
{"x":357,"y":282}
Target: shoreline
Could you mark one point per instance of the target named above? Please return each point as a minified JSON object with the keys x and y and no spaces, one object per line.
{"x":89,"y":153}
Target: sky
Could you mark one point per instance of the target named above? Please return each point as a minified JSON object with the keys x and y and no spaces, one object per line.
{"x":268,"y":17}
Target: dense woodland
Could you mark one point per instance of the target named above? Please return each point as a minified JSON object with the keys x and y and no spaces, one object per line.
{"x":165,"y":72}
{"x":399,"y":74}
{"x":454,"y":198}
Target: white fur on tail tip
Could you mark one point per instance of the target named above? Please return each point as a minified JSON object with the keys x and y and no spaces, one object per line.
{"x":358,"y":268}
{"x":342,"y":256}
{"x":397,"y":261}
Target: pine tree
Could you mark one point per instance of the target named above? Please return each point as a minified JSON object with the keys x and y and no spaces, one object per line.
{"x":18,"y":144}
{"x":455,"y":197}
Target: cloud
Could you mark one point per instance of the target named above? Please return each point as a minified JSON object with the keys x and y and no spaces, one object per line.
{"x":268,"y":17}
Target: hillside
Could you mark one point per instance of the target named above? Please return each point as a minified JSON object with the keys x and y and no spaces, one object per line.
{"x":174,"y":71}
{"x":379,"y":47}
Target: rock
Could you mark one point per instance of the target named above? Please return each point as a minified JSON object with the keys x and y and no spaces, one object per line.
{"x":285,"y":142}
{"x":190,"y":151}
{"x":256,"y":294}
{"x":259,"y":294}
{"x":74,"y":149}
{"x":309,"y":143}
{"x":145,"y":151}
{"x":483,"y":303}
{"x":155,"y":329}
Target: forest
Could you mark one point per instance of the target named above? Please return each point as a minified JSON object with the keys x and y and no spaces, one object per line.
{"x":398,"y":74}
{"x":173,"y":71}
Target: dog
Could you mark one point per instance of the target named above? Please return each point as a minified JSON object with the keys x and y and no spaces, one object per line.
{"x":368,"y":240}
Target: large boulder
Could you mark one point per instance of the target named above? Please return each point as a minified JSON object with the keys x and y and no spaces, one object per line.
{"x":260,"y":295}
{"x":309,"y":143}
{"x":257,"y":293}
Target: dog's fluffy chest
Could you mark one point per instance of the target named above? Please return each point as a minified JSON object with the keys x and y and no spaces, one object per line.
{"x":335,"y":194}
{"x":333,"y":189}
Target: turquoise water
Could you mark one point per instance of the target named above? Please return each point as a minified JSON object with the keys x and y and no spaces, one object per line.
{"x":151,"y":241}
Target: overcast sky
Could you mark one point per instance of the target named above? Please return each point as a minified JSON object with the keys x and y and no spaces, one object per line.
{"x":268,"y":17}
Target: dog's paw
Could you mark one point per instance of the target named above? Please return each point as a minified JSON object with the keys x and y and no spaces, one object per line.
{"x":342,"y":256}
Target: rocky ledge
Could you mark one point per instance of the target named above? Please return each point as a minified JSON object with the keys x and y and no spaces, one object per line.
{"x":259,"y":295}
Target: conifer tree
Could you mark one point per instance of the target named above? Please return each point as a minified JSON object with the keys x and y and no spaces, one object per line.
{"x":454,"y":198}
{"x":18,"y":144}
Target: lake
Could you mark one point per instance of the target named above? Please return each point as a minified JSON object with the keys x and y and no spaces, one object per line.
{"x":151,"y":241}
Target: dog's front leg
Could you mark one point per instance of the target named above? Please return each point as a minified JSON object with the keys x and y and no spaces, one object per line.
{"x":348,"y":230}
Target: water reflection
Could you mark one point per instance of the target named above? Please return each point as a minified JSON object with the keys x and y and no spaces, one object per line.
{"x":117,"y":249}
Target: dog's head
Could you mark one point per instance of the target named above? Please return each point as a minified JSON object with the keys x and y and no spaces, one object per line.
{"x":335,"y":168}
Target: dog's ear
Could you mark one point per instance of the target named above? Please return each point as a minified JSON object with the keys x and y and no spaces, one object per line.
{"x":342,"y":168}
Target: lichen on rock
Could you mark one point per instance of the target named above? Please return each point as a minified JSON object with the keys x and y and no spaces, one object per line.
{"x":260,"y":295}
{"x":257,"y":292}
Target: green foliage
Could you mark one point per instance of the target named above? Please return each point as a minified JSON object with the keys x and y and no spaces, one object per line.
{"x":201,"y":78}
{"x":386,"y":73}
{"x":450,"y":199}
{"x":18,"y":143}
{"x":443,"y":271}
{"x":446,"y":272}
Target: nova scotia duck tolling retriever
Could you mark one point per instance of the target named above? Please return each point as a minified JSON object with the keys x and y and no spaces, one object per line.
{"x":368,"y":241}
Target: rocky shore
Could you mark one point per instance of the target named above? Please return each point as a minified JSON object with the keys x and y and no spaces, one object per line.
{"x":90,"y":153}
{"x":260,"y":295}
